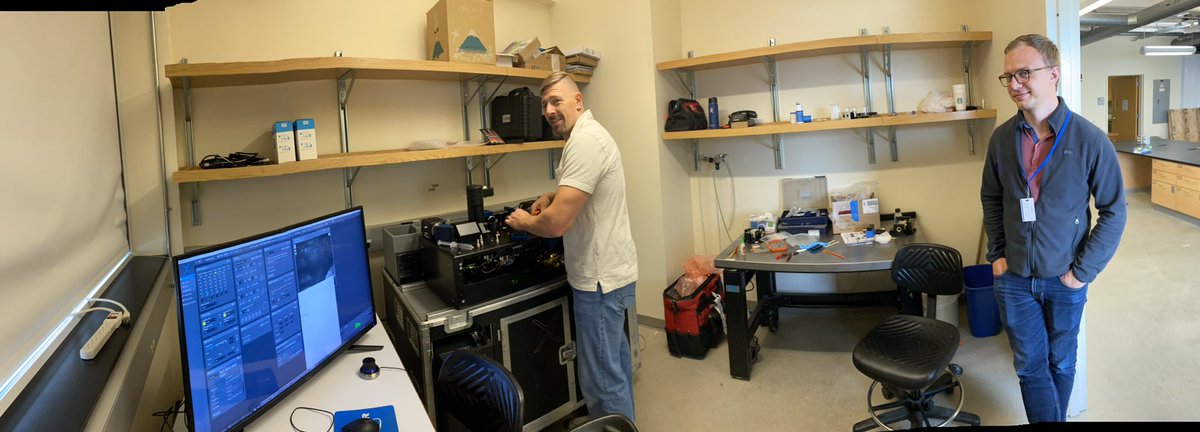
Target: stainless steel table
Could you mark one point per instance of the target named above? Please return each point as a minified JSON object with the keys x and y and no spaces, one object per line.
{"x":762,"y":267}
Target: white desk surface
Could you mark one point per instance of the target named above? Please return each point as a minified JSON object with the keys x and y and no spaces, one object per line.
{"x":337,"y":387}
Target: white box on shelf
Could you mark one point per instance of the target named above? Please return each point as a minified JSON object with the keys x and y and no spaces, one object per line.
{"x":306,"y":139}
{"x":583,"y":51}
{"x":285,"y":142}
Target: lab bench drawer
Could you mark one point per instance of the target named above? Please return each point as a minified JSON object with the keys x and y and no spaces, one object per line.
{"x":1187,"y":201}
{"x":1163,"y":194}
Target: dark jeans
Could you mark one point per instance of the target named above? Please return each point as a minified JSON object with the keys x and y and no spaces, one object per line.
{"x":1042,"y":318}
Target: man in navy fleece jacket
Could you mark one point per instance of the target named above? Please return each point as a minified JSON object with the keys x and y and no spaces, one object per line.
{"x":1042,"y":166}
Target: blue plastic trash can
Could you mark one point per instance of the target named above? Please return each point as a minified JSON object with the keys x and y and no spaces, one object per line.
{"x":983,"y":314}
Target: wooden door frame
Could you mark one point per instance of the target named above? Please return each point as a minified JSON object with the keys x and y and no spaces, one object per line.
{"x":1139,"y":80}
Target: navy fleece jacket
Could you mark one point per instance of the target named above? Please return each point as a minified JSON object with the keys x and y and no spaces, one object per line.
{"x":1084,"y":165}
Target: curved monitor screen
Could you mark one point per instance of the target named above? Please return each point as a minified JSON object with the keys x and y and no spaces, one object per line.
{"x":258,"y":316}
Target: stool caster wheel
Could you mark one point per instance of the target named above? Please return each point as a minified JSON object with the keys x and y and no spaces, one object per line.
{"x":956,"y":369}
{"x":754,"y":350}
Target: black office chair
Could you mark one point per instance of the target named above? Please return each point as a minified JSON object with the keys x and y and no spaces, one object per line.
{"x":479,"y":393}
{"x":608,"y":423}
{"x":906,"y":354}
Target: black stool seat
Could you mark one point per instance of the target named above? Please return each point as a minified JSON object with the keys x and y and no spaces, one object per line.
{"x":906,"y":352}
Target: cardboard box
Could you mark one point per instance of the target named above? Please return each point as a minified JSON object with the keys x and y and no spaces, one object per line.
{"x":461,"y":31}
{"x":523,"y":51}
{"x":853,"y":214}
{"x":506,"y":60}
{"x":530,"y":55}
{"x":514,"y":50}
{"x":550,"y":59}
{"x":582,"y":60}
{"x":580,"y":70}
{"x":285,"y":142}
{"x":306,"y":138}
{"x":583,"y":51}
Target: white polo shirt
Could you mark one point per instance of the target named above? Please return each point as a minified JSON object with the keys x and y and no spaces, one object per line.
{"x":599,"y":246}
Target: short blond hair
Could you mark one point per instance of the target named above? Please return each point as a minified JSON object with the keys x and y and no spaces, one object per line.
{"x":554,"y":78}
{"x":1042,"y":44}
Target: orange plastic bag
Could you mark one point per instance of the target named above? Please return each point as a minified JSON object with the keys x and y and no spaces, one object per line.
{"x":695,"y":270}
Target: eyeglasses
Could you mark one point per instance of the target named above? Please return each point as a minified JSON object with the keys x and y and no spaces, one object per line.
{"x":1022,"y":76}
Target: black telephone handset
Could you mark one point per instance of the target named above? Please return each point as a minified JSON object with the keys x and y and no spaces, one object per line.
{"x":741,"y":116}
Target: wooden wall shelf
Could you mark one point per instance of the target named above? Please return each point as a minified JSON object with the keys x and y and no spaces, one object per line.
{"x":329,"y":68}
{"x":789,"y":128}
{"x":353,"y":160}
{"x":820,"y":47}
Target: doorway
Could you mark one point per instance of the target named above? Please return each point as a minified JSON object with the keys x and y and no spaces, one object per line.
{"x":1125,"y":107}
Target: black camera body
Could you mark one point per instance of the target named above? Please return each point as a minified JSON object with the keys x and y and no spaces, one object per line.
{"x":903,"y":227}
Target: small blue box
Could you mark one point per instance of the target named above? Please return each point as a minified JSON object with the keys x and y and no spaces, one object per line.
{"x":285,"y":142}
{"x":306,"y":138}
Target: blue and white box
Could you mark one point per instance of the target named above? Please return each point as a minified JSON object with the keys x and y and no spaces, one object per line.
{"x":306,"y":139}
{"x":285,"y":142}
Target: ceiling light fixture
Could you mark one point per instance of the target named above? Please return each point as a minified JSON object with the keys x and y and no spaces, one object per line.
{"x":1095,"y":5}
{"x":1168,"y":50}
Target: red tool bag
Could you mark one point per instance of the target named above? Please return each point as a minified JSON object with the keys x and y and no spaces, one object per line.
{"x":694,"y":323}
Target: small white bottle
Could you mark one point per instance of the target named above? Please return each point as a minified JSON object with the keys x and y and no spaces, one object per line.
{"x":798,"y":114}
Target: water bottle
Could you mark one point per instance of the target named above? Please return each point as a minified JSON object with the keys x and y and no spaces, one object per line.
{"x":713,"y":121}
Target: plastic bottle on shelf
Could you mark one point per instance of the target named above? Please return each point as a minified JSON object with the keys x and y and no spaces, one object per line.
{"x":713,"y":121}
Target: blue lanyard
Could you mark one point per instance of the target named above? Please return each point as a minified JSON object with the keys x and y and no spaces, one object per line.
{"x":1021,"y":165}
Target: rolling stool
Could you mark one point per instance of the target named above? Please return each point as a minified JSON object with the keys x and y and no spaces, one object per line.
{"x":906,"y":354}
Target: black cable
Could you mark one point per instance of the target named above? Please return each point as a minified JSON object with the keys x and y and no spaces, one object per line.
{"x":169,"y":415}
{"x":393,"y":367}
{"x":296,"y":429}
{"x":235,"y":159}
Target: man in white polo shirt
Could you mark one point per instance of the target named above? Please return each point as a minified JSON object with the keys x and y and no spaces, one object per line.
{"x":588,"y":211}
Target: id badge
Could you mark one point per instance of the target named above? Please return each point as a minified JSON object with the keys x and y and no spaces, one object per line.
{"x":1027,"y":212}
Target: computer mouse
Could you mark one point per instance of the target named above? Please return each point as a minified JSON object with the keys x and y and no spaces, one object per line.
{"x":361,"y":425}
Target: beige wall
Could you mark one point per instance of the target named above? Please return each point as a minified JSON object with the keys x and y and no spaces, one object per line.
{"x":381,"y":114}
{"x":136,"y":103}
{"x":934,"y":176}
{"x":675,"y":159}
{"x":627,"y":95}
{"x":623,"y":97}
{"x":1119,"y":56}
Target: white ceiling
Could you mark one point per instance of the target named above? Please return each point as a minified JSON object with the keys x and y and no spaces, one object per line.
{"x":1172,"y":26}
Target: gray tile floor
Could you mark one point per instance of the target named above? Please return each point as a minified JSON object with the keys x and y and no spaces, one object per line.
{"x":1142,"y":344}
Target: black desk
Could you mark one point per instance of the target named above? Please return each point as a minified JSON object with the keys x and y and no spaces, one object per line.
{"x":762,"y":268}
{"x":1184,"y":152}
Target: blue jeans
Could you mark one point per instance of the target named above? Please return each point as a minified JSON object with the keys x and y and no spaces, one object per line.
{"x":1042,"y":318}
{"x":603,"y":353}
